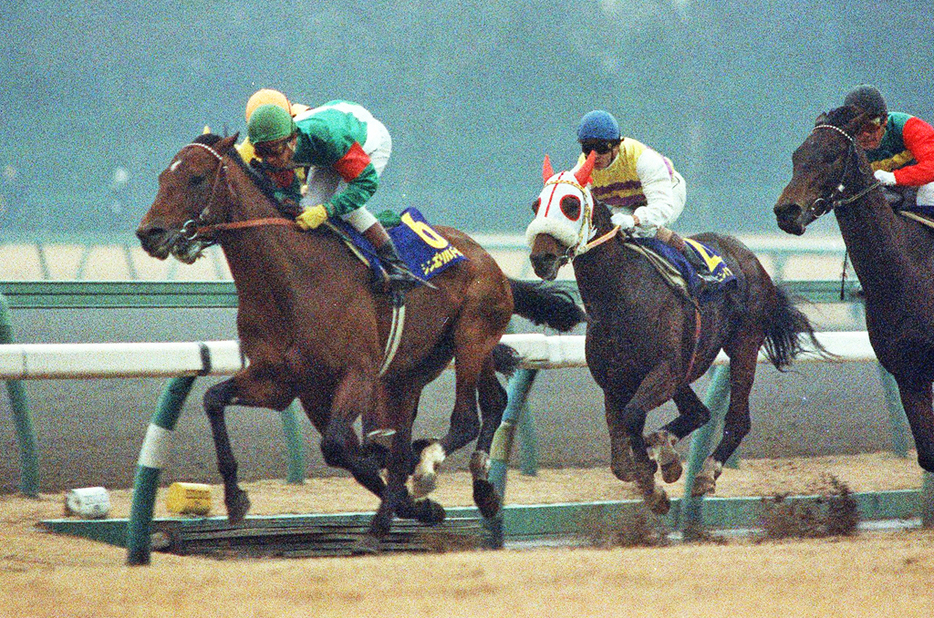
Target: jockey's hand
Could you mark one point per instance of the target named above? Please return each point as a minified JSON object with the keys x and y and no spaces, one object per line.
{"x":312,"y":217}
{"x":886,"y":178}
{"x":625,"y":222}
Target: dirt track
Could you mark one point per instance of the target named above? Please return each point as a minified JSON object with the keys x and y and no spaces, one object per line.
{"x":44,"y":575}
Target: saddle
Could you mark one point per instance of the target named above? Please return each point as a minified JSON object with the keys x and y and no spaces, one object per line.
{"x":424,"y":250}
{"x":679,"y":273}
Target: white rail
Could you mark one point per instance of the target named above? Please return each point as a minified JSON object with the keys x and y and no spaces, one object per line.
{"x":133,"y":360}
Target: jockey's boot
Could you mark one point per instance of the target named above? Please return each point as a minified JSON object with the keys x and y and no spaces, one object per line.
{"x":401,"y":279}
{"x":674,"y":241}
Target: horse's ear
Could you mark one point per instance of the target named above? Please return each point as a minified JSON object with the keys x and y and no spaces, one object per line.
{"x":547,"y":170}
{"x":226,"y":143}
{"x":583,"y":174}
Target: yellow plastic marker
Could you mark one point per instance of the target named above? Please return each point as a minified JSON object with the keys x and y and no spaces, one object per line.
{"x":189,"y":498}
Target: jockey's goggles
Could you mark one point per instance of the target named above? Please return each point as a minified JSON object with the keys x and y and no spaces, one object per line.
{"x":601,"y":146}
{"x":272,"y":149}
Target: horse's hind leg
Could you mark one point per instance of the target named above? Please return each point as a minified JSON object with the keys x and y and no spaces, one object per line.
{"x":354,"y":396}
{"x":692,"y":413}
{"x":493,"y":398}
{"x":736,"y":424}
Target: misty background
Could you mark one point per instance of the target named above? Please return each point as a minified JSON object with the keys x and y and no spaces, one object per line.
{"x":98,"y":97}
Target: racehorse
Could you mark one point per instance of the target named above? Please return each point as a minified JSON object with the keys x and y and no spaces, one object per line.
{"x":648,"y":340}
{"x":893,"y":257}
{"x":311,"y":327}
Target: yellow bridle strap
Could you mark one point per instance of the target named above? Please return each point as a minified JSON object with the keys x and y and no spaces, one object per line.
{"x":599,"y":241}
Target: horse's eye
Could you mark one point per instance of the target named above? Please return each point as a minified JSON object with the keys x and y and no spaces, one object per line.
{"x":195,"y":180}
{"x":536,"y":205}
{"x":571,"y":207}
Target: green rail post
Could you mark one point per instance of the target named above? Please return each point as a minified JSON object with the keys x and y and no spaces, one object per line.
{"x":901,"y":433}
{"x":152,"y":458}
{"x":294,"y":444}
{"x":716,"y":400}
{"x":927,"y":500}
{"x":500,"y":450}
{"x":25,"y":433}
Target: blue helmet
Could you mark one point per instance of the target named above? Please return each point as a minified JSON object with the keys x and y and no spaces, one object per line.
{"x":598,"y":125}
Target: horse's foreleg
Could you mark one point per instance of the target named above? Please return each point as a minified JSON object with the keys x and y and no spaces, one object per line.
{"x":654,"y":390}
{"x":354,"y":396}
{"x":215,"y":400}
{"x":692,"y":413}
{"x":917,"y":401}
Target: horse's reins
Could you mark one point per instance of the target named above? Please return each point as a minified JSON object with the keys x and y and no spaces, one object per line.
{"x":841,"y":187}
{"x":191,"y":229}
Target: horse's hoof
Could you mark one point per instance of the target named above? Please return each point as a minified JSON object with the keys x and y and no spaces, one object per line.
{"x":480,"y":465}
{"x":423,"y":484}
{"x":425,"y":476}
{"x":429,"y":512}
{"x":663,"y":445}
{"x":706,"y":480}
{"x":237,"y":507}
{"x":658,"y":502}
{"x":367,"y":545}
{"x":486,"y":498}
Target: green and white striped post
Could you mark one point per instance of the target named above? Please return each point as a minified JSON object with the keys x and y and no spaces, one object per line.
{"x":152,"y":457}
{"x":501,"y":449}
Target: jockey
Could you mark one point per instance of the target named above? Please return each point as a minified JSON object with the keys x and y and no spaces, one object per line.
{"x":899,"y":146}
{"x":347,"y":149}
{"x":268,"y":96}
{"x":639,"y":186}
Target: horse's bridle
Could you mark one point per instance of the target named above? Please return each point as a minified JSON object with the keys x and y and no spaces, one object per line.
{"x":198,"y":228}
{"x":822,"y":205}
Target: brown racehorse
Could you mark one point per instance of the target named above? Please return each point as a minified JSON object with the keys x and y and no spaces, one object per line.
{"x":647,"y":341}
{"x":311,"y":327}
{"x":893,"y":257}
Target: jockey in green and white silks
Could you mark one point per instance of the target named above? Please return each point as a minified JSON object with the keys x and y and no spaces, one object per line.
{"x":346,"y":149}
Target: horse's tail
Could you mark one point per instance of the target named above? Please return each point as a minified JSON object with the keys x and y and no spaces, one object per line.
{"x":546,"y":303}
{"x":783,"y":338}
{"x":506,"y":359}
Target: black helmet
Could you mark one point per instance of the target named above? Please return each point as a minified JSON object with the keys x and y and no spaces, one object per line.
{"x":867,"y":99}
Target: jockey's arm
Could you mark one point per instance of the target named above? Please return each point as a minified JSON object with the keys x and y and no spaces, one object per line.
{"x":656,"y":178}
{"x":919,"y":139}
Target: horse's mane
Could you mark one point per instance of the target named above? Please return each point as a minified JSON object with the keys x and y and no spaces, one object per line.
{"x":839,"y":116}
{"x":256,"y":176}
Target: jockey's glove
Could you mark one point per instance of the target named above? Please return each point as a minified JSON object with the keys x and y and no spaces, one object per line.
{"x":886,"y":178}
{"x":624,"y":221}
{"x":312,"y":217}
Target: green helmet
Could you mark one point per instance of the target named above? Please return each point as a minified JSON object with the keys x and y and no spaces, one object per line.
{"x":269,"y":123}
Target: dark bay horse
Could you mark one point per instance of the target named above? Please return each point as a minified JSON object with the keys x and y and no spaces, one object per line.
{"x":312,"y":328}
{"x":648,"y":341}
{"x":893,"y":257}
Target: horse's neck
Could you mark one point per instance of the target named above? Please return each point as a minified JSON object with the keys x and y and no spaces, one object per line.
{"x":260,"y":258}
{"x":609,"y":276}
{"x":879,"y":243}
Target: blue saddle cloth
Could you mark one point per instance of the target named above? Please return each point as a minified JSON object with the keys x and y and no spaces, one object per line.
{"x":721,"y":276}
{"x":425,"y":251}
